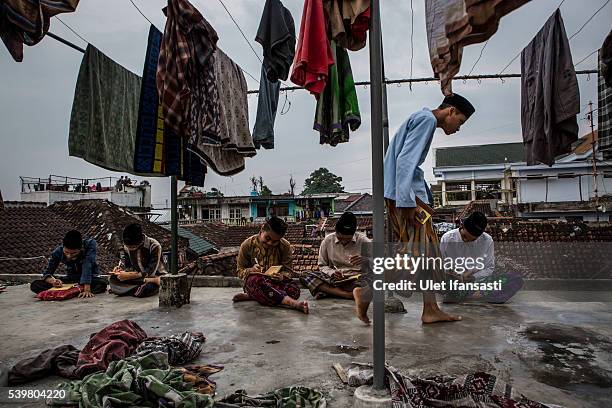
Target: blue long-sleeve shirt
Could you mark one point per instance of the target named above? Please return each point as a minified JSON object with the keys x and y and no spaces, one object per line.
{"x":404,"y":179}
{"x":82,"y":269}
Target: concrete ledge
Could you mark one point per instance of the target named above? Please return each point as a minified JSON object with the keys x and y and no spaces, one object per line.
{"x":597,"y":285}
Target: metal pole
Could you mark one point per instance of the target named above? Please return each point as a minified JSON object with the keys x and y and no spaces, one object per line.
{"x":376,"y":101}
{"x":65,"y":42}
{"x":173,"y":226}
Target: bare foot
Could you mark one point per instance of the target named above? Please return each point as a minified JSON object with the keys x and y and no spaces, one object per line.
{"x":435,"y":315}
{"x":302,"y":306}
{"x":241,"y":297}
{"x":362,"y":303}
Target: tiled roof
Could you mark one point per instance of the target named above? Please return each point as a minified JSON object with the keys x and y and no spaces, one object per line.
{"x":363,"y":203}
{"x":480,"y":154}
{"x":224,"y":236}
{"x":482,"y":206}
{"x":28,"y":232}
{"x":340,"y":204}
{"x":305,"y":257}
{"x":32,"y":230}
{"x":363,"y":223}
{"x":105,"y":221}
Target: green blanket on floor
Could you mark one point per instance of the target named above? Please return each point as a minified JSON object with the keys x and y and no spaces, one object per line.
{"x":134,"y":382}
{"x":289,"y":397}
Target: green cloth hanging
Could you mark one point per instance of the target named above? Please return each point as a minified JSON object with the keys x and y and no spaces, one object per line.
{"x":337,"y":106}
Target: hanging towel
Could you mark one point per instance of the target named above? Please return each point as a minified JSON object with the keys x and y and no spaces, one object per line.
{"x":237,"y":142}
{"x":27,"y":22}
{"x":454,"y":24}
{"x":104,"y":113}
{"x":349,"y":21}
{"x":337,"y":107}
{"x":157,"y":149}
{"x":267,"y":104}
{"x":154,"y":146}
{"x":314,"y":55}
{"x":185,"y":75}
{"x":604,"y":120}
{"x":276,"y":34}
{"x":550,"y":99}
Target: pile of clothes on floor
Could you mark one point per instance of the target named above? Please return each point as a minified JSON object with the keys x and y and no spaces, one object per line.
{"x":121,"y":366}
{"x":476,"y":390}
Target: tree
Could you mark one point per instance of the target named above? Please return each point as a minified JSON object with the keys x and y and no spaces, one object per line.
{"x":322,"y":181}
{"x":292,"y":186}
{"x":265,"y":191}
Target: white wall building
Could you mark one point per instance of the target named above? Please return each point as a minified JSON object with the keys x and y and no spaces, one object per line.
{"x":54,"y":189}
{"x":498,"y":172}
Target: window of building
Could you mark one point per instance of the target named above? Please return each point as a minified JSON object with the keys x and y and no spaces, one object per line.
{"x":458,"y":191}
{"x":281,"y":210}
{"x":211,"y":213}
{"x":235,"y":213}
{"x":261,"y":210}
{"x":488,"y":189}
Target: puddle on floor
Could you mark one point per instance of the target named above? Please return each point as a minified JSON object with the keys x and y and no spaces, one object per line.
{"x":566,"y":356}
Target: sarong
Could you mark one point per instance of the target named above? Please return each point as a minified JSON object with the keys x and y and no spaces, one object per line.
{"x":416,"y":241}
{"x":313,"y":279}
{"x":268,"y":291}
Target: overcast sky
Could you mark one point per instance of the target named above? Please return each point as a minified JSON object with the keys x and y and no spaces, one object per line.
{"x":36,"y":95}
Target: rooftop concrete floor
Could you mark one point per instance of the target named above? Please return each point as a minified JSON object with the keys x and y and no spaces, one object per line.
{"x":556,"y":347}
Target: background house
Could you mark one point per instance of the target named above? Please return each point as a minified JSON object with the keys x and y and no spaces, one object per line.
{"x":497,"y":173}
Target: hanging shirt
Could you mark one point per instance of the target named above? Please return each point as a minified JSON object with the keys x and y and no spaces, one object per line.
{"x":337,"y":107}
{"x":236,"y":141}
{"x":267,"y":104}
{"x":550,"y":99}
{"x":276,"y":34}
{"x":452,"y":246}
{"x":404,"y":179}
{"x":349,"y":21}
{"x":454,"y":24}
{"x":27,"y":22}
{"x":185,"y":74}
{"x":314,"y":55}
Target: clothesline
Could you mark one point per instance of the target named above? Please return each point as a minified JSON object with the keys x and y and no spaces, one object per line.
{"x":433,"y":79}
{"x":366,"y":83}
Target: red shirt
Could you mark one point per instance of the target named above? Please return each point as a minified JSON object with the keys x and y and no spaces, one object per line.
{"x":314,"y":55}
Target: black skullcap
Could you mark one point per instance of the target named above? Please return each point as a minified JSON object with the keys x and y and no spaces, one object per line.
{"x":347,"y":224}
{"x":132,"y":234}
{"x":460,"y":103}
{"x":73,"y":240}
{"x":476,"y":223}
{"x":277,"y":225}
